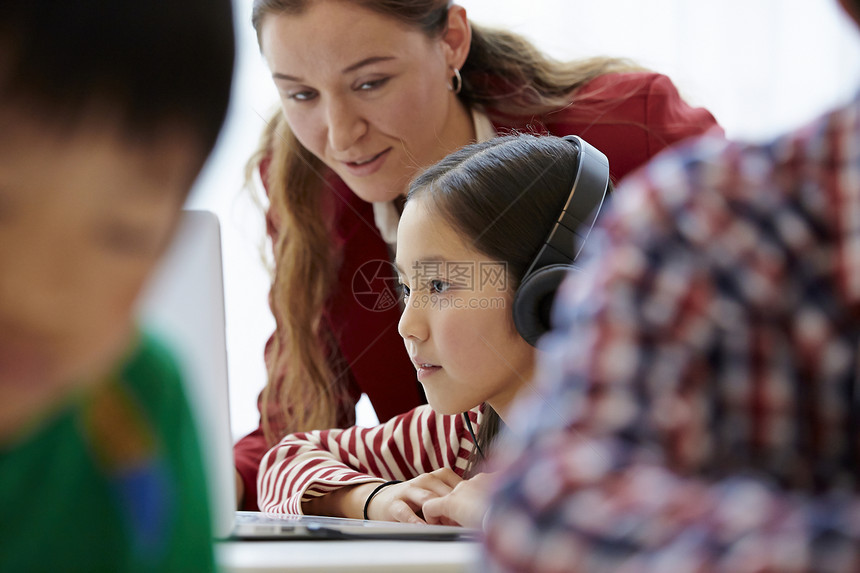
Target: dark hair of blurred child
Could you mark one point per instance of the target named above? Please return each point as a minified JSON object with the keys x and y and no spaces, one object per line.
{"x":108,"y":111}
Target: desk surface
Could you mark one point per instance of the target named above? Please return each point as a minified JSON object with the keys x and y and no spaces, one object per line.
{"x":348,"y":556}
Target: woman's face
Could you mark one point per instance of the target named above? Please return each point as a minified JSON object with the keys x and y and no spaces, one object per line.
{"x":366,"y":94}
{"x":457,"y":323}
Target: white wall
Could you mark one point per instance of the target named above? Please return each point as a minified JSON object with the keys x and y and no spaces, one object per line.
{"x":760,"y":66}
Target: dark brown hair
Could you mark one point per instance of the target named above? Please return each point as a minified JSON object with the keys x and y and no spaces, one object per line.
{"x":502,"y":197}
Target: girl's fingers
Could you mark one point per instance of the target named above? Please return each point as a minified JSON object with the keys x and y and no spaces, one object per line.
{"x":435,"y":511}
{"x":432,"y":512}
{"x":416,"y":496}
{"x":401,"y":511}
{"x":404,"y":501}
{"x":447,"y":476}
{"x":440,"y":481}
{"x":465,"y":505}
{"x":401,"y":502}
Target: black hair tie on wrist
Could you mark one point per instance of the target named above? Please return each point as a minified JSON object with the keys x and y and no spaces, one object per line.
{"x":376,"y":491}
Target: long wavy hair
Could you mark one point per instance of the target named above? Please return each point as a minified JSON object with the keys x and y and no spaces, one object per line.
{"x":473,"y":190}
{"x":504,"y":73}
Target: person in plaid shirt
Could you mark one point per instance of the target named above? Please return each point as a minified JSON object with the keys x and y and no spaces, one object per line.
{"x":697,"y":407}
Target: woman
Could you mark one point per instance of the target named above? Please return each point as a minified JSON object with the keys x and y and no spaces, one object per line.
{"x":372,"y":92}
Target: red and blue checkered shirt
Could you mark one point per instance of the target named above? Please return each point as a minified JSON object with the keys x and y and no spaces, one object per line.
{"x":697,"y":404}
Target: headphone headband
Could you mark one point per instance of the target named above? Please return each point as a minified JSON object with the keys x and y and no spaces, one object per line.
{"x":587,"y":193}
{"x":537,"y":288}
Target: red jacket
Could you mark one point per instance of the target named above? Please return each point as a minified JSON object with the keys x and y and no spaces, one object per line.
{"x":630,"y":117}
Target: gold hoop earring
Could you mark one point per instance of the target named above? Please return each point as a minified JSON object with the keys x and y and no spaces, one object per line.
{"x":456,"y":82}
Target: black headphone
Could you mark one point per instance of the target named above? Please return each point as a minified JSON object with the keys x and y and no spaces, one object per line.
{"x":533,"y":299}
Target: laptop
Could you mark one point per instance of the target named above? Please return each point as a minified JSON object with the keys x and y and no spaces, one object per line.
{"x":183,"y":305}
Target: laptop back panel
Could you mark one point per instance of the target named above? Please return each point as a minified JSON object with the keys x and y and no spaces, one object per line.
{"x":183,"y":305}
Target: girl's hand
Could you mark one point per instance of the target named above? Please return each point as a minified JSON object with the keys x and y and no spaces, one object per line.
{"x":404,"y":501}
{"x":465,"y":505}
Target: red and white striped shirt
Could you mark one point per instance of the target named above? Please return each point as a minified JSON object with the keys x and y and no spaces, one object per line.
{"x":312,"y":464}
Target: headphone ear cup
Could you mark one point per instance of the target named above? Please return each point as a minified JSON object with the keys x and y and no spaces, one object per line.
{"x":533,"y":301}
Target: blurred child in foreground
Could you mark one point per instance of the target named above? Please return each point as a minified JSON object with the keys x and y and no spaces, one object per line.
{"x":107,"y":113}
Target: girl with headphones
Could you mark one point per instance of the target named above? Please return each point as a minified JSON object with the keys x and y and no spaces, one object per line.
{"x":371,"y":93}
{"x":485,"y":238}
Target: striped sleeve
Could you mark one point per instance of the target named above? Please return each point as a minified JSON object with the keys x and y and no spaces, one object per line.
{"x":313,"y":464}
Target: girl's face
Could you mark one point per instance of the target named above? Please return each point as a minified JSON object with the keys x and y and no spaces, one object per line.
{"x":366,"y":94}
{"x":457,"y":323}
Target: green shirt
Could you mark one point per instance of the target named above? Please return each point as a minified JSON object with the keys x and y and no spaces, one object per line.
{"x":114,"y":482}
